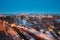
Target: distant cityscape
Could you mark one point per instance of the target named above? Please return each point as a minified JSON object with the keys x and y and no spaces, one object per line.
{"x":29,"y":27}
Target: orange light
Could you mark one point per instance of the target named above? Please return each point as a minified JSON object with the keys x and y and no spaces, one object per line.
{"x":59,"y":32}
{"x":5,"y":22}
{"x":50,"y":29}
{"x":12,"y":25}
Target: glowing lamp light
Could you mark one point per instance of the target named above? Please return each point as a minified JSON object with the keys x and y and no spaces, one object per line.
{"x":12,"y":25}
{"x":59,"y":32}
